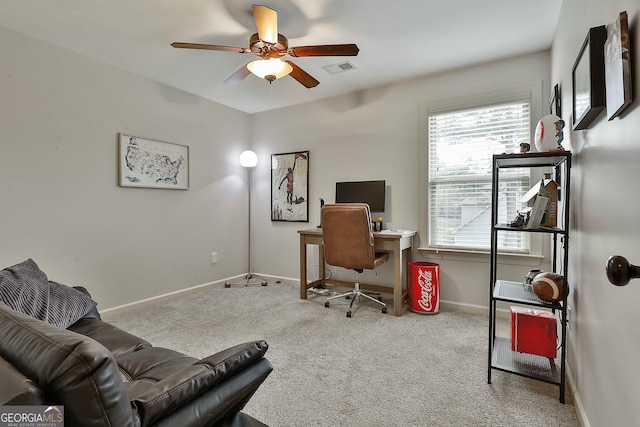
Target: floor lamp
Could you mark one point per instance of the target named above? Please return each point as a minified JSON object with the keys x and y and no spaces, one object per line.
{"x":249,"y":160}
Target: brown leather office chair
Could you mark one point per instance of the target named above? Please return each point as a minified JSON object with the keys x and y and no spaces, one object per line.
{"x":348,"y":243}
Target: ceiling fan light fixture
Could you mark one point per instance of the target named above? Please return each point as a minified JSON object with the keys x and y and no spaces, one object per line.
{"x":270,"y":45}
{"x":269,"y":69}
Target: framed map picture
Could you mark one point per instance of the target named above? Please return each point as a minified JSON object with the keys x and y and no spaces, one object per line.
{"x":289,"y":187}
{"x":148,"y":163}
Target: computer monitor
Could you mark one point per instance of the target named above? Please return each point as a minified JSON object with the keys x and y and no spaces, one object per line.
{"x":369,"y":192}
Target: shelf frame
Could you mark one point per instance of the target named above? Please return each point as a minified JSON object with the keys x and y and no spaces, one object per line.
{"x":526,"y":365}
{"x":500,"y":356}
{"x":516,"y":292}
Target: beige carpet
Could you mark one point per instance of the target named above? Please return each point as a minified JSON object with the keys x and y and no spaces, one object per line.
{"x":373,"y":369}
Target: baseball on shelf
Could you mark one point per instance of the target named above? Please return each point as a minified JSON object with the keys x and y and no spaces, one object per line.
{"x":550,"y":287}
{"x":549,"y":134}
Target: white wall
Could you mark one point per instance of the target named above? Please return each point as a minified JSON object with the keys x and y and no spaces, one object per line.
{"x":375,"y":134}
{"x":60,"y":114}
{"x":603,"y":342}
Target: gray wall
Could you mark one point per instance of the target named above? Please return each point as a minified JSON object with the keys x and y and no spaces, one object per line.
{"x":603,"y":340}
{"x":376,"y":134}
{"x":59,"y":118}
{"x":60,"y":114}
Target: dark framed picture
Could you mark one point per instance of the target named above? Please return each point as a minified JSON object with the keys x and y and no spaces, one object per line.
{"x":588,"y":79}
{"x":554,"y":102}
{"x":617,"y":67}
{"x":290,"y":186}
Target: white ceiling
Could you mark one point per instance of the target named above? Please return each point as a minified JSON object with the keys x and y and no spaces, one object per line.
{"x":398,"y":40}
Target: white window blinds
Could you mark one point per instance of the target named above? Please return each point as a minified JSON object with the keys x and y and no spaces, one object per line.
{"x":461,"y":144}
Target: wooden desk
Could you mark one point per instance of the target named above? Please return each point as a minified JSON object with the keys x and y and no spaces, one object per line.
{"x":398,"y":244}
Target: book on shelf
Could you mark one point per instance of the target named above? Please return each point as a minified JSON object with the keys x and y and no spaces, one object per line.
{"x":537,"y":212}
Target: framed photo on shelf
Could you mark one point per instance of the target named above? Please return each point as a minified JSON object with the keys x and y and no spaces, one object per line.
{"x":617,"y":67}
{"x":290,"y":187}
{"x":587,"y":78}
{"x":148,"y":163}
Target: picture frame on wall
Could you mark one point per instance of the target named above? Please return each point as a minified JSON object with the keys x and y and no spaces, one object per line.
{"x":147,"y":163}
{"x":290,"y":186}
{"x":554,"y":102}
{"x":587,"y":78}
{"x":617,"y":67}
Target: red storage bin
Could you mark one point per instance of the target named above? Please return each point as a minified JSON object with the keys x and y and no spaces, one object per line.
{"x":533,"y":332}
{"x":424,"y":287}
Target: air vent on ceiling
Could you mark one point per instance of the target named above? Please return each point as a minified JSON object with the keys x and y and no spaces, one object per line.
{"x":339,"y":68}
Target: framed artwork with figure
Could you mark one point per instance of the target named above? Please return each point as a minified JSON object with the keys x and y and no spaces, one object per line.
{"x":617,"y":67}
{"x":289,"y":186}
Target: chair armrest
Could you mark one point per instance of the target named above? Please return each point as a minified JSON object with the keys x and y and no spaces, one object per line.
{"x":155,"y":394}
{"x":71,"y":369}
{"x":234,"y":359}
{"x":18,"y":389}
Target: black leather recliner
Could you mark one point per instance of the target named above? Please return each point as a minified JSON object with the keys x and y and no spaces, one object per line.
{"x":107,"y":377}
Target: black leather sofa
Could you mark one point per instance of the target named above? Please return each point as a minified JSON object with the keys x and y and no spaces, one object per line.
{"x":104,"y":376}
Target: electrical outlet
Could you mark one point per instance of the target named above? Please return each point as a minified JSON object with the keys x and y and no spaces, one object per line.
{"x":214,"y":257}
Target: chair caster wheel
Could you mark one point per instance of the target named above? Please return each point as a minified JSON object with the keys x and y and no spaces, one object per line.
{"x":227,"y":285}
{"x":347,"y":297}
{"x":348,"y":314}
{"x":264,"y":283}
{"x":326,"y":304}
{"x":379,"y":299}
{"x":384,"y":310}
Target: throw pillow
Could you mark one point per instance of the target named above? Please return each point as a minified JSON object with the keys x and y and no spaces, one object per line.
{"x":25,"y":288}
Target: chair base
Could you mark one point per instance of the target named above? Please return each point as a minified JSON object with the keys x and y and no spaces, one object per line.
{"x":355,"y":294}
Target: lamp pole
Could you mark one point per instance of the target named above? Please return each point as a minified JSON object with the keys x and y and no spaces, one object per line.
{"x":249,"y":160}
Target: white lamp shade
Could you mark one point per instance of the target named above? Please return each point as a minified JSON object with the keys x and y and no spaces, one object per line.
{"x":264,"y":68}
{"x":248,"y":159}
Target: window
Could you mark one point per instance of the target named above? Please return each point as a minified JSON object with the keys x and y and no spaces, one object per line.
{"x":460,"y":146}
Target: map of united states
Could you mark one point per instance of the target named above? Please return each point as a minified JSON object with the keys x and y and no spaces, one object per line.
{"x":150,"y":163}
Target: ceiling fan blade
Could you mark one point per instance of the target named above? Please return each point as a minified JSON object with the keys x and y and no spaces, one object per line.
{"x":238,"y":76}
{"x":325,"y":50}
{"x":181,"y":45}
{"x":302,"y":76}
{"x":266,"y":23}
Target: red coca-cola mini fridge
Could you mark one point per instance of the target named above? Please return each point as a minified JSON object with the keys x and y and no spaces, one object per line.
{"x":533,"y":332}
{"x":424,"y":287}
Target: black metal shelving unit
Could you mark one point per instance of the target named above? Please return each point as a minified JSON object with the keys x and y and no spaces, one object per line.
{"x":501,"y":357}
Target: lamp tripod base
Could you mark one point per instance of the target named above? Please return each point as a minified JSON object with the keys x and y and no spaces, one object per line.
{"x":257,"y":280}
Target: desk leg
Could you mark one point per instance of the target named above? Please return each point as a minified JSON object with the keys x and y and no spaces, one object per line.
{"x":303,"y":268}
{"x":400,"y":260}
{"x":397,"y":280}
{"x":407,"y":258}
{"x":321,"y":264}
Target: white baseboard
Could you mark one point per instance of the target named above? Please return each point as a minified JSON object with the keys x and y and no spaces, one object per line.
{"x":221,"y":282}
{"x":157,"y":298}
{"x":577,"y":402}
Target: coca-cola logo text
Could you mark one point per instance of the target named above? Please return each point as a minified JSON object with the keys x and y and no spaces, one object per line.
{"x":427,"y":290}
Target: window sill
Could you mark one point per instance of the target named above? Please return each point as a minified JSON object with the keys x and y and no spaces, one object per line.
{"x":481,"y":256}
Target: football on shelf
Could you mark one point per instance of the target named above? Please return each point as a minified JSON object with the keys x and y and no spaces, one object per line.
{"x":550,"y":287}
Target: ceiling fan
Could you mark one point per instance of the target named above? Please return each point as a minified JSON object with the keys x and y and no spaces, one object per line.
{"x":269,"y":45}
